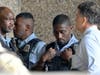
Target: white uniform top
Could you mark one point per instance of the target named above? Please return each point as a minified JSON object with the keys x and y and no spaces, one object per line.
{"x":87,"y":57}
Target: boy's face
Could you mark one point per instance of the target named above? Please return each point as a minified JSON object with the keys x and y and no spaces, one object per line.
{"x":62,"y":33}
{"x":6,"y":21}
{"x":19,"y":30}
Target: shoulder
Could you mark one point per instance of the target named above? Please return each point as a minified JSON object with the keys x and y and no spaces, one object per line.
{"x":39,"y":47}
{"x":91,"y":41}
{"x":41,"y":43}
{"x":38,"y":43}
{"x":92,"y":36}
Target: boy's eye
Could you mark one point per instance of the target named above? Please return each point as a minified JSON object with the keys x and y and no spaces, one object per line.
{"x":63,"y":31}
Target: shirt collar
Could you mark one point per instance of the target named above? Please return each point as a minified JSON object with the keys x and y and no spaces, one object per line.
{"x":88,"y":30}
{"x":71,"y":41}
{"x":29,"y":38}
{"x":5,"y":40}
{"x":1,"y":36}
{"x":32,"y":36}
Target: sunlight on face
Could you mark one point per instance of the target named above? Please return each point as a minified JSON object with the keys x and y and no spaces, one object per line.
{"x":79,"y":21}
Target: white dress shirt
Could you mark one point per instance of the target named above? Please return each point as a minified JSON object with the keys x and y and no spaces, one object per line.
{"x":87,"y":57}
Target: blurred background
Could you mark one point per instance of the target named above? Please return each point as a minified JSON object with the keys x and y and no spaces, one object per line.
{"x":44,"y":11}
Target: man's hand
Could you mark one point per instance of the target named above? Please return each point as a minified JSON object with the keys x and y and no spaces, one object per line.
{"x":66,"y":54}
{"x":49,"y":54}
{"x":45,"y":57}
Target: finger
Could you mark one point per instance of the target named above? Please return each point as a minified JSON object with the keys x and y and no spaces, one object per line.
{"x":69,"y":49}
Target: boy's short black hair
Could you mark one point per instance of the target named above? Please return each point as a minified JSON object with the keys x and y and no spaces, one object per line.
{"x":25,"y":15}
{"x":61,"y":19}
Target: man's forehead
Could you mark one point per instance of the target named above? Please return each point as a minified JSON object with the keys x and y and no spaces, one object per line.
{"x":62,"y":26}
{"x":24,"y":20}
{"x":6,"y":12}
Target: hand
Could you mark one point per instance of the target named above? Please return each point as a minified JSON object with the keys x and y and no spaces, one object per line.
{"x":66,"y":54}
{"x":49,"y":54}
{"x":45,"y":57}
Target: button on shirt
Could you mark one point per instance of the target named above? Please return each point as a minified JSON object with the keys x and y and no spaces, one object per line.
{"x":87,"y":57}
{"x":37,"y":51}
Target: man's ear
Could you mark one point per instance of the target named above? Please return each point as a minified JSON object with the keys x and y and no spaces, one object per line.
{"x":84,"y":20}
